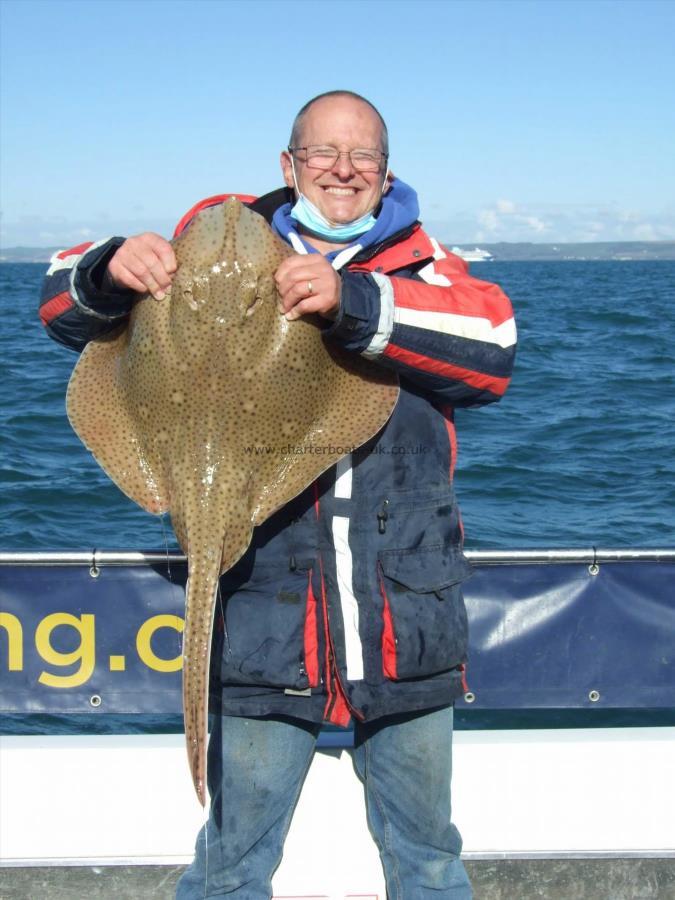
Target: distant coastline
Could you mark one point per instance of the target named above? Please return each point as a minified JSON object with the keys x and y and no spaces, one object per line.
{"x":27,"y":254}
{"x":501,"y":252}
{"x":605,"y":250}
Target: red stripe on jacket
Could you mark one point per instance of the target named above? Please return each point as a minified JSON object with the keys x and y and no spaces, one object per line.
{"x":388,"y":634}
{"x":74,"y":251}
{"x":452,"y":436}
{"x":311,"y":637}
{"x":466,"y":297}
{"x":476,"y":380}
{"x":210,"y":201}
{"x":55,"y":307}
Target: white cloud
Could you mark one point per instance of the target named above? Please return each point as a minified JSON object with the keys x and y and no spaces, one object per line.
{"x":535,"y":223}
{"x":645,"y":231}
{"x":503,"y":219}
{"x":489,"y":219}
{"x":627,"y":215}
{"x":509,"y":220}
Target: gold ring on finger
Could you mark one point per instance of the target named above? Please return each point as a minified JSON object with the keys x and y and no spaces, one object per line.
{"x":310,"y":289}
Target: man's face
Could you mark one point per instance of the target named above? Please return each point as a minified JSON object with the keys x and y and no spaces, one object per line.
{"x":341,"y":193}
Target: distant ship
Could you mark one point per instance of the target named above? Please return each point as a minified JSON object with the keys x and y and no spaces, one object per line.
{"x":475,"y":255}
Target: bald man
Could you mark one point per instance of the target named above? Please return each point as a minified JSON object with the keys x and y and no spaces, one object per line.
{"x":347,"y":608}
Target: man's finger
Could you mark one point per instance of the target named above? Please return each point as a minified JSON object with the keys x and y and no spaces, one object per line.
{"x":299,"y":268}
{"x":131,"y":282}
{"x":302,"y":309}
{"x":298,"y":291}
{"x":148,"y":269}
{"x":302,"y":283}
{"x":158,"y":271}
{"x":288,"y":280}
{"x":290,"y":263}
{"x":153,"y":263}
{"x":314,"y":304}
{"x":164,"y":252}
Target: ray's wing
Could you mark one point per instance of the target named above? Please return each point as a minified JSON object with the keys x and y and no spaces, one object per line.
{"x":314,"y":404}
{"x":100,"y":414}
{"x":356,"y":402}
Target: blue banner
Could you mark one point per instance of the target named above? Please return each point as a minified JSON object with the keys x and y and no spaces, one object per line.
{"x":73,"y":643}
{"x":543,"y":636}
{"x":557,"y":636}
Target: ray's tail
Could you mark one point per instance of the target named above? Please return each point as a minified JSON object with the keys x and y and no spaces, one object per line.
{"x":200,"y":602}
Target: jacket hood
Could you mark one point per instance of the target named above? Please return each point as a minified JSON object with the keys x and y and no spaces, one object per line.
{"x":399,"y":209}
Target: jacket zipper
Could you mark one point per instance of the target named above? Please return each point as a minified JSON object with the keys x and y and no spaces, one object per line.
{"x":382,"y":517}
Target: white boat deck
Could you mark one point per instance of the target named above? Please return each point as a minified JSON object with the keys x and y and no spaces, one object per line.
{"x":127,"y":800}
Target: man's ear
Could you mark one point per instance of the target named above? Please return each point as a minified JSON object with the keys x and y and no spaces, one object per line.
{"x":287,"y":169}
{"x":388,"y":178}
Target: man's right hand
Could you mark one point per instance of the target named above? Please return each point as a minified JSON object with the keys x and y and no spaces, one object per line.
{"x":144,"y":263}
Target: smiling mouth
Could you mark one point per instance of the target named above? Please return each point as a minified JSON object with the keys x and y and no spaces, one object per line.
{"x":340,"y":191}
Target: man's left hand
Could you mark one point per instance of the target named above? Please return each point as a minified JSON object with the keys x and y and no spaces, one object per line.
{"x":307,"y":284}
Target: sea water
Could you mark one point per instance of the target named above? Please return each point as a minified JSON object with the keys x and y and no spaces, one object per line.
{"x":580,"y":452}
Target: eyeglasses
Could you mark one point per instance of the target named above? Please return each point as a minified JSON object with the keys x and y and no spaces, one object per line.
{"x":325,"y":157}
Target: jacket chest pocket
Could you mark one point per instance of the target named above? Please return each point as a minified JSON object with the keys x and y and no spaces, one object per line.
{"x":270,"y":633}
{"x":425,"y":629}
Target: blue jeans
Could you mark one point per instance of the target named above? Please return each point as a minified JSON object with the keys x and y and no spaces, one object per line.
{"x":257,"y":768}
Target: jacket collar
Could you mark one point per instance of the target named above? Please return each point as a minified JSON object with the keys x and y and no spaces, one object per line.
{"x":408,"y":248}
{"x":398,"y":213}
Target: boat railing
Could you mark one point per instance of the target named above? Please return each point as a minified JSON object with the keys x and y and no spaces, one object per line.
{"x":95,"y":557}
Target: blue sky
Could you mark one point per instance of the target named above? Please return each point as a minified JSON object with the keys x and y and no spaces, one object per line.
{"x":543,"y":120}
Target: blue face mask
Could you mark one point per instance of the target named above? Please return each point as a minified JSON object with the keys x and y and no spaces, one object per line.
{"x":308,"y":215}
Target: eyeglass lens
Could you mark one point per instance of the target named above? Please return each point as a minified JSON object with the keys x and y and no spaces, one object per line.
{"x":363,"y":160}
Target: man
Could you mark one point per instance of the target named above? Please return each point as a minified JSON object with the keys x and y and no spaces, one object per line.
{"x":360,"y":575}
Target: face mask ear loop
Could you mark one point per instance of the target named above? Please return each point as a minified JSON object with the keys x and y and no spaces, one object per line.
{"x":295,"y":177}
{"x":384,"y":182}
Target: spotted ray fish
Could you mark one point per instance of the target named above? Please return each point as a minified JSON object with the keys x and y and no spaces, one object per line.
{"x":173,"y":407}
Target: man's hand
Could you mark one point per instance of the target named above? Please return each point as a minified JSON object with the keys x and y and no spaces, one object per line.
{"x":308,"y":284}
{"x":145,"y":262}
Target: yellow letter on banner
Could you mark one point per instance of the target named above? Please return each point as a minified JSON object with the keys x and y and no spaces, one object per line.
{"x":85,"y":654}
{"x":145,"y":651}
{"x":14,"y":641}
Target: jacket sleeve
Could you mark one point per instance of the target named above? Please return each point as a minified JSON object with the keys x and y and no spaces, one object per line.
{"x":450,"y":334}
{"x":77,"y":305}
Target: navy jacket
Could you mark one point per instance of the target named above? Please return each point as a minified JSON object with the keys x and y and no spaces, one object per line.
{"x":349,"y":600}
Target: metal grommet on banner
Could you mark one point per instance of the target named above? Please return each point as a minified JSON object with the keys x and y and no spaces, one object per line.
{"x":594,"y":696}
{"x":94,"y":570}
{"x":594,"y":568}
{"x":469,"y":697}
{"x":95,"y":700}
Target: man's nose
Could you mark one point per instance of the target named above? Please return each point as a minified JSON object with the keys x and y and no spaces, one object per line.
{"x":343,"y":164}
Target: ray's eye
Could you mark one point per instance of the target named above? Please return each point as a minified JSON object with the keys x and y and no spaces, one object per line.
{"x":248,"y":296}
{"x":257,"y":293}
{"x":189,"y":297}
